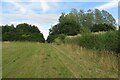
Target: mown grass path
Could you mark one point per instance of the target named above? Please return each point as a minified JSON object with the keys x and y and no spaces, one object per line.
{"x":38,"y":60}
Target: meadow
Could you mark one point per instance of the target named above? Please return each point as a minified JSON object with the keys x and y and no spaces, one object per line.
{"x":43,"y":60}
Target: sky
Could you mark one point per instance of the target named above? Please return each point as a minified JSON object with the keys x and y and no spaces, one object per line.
{"x":45,"y":13}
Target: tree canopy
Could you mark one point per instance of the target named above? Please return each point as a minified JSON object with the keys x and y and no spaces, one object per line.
{"x":75,"y":21}
{"x":22,"y":32}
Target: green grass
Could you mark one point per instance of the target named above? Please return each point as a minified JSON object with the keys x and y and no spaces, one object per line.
{"x":38,"y":60}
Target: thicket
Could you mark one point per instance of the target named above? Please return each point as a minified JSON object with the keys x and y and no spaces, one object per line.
{"x":107,"y":41}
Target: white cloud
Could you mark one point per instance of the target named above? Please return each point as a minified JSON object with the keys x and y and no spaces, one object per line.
{"x":21,"y":9}
{"x":109,"y":5}
{"x":25,"y":9}
{"x":59,"y":0}
{"x":38,"y":18}
{"x":43,"y":4}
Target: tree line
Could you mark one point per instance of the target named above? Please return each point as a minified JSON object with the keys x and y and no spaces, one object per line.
{"x":73,"y":23}
{"x":22,"y":32}
{"x":77,"y":22}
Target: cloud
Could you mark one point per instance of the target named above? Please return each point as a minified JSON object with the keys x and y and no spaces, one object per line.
{"x":109,"y":5}
{"x":59,"y":0}
{"x":21,"y":9}
{"x":42,"y":5}
{"x":38,"y":18}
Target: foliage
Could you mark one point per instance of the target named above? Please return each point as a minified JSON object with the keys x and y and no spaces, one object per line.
{"x":67,"y":25}
{"x":22,"y":32}
{"x":85,"y":30}
{"x":102,"y":27}
{"x":51,"y":38}
{"x":76,"y":22}
{"x":102,"y":41}
{"x":118,"y":49}
{"x":60,"y":39}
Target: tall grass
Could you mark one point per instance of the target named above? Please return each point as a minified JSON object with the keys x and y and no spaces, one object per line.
{"x":41,"y":60}
{"x":88,"y":59}
{"x":102,"y":41}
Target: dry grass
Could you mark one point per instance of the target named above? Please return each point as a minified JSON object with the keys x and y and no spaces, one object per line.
{"x":104,"y":63}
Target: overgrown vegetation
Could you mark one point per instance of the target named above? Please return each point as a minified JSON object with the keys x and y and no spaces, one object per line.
{"x":22,"y":32}
{"x":97,"y":30}
{"x":107,"y":41}
{"x":75,"y":22}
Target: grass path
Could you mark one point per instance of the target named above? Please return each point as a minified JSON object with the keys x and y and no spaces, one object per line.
{"x":61,"y":58}
{"x":37,"y":60}
{"x":34,"y":60}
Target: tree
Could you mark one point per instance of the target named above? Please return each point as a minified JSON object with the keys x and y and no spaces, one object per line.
{"x":22,"y":32}
{"x":89,"y":18}
{"x":98,"y":17}
{"x":81,"y":18}
{"x":7,"y":32}
{"x":83,"y":21}
{"x":108,"y":18}
{"x":102,"y":27}
{"x":67,"y":25}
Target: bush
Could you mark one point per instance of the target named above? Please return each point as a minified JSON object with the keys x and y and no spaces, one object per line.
{"x":118,"y":49}
{"x":72,"y":40}
{"x":60,"y":39}
{"x":53,"y":38}
{"x":103,"y":41}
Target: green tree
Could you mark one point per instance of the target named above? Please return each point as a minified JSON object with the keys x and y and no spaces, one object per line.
{"x":103,"y":27}
{"x":75,"y":22}
{"x":108,"y":18}
{"x":98,"y":17}
{"x":22,"y":32}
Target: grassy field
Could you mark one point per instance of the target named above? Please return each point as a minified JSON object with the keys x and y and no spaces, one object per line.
{"x":38,"y":60}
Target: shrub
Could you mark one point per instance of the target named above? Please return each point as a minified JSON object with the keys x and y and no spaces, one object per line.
{"x":60,"y":39}
{"x":103,"y":41}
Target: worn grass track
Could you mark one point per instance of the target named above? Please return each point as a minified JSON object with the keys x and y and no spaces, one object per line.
{"x":38,"y":60}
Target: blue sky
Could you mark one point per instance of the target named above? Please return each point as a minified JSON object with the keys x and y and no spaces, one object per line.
{"x":45,"y":14}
